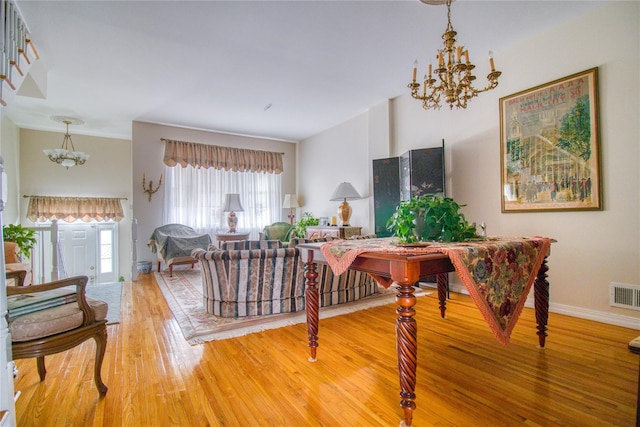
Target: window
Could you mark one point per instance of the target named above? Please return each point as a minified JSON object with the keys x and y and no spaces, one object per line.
{"x":194,"y":197}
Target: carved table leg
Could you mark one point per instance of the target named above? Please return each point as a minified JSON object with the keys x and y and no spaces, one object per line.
{"x":407,"y":347}
{"x":442,"y":293}
{"x":312,"y":305}
{"x":541,"y":293}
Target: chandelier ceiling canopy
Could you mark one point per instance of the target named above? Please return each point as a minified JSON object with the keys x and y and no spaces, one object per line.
{"x":67,"y":155}
{"x":454,"y":82}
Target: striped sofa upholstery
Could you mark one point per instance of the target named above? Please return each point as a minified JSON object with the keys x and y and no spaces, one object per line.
{"x":350,"y":286}
{"x":247,"y":282}
{"x":239,"y":283}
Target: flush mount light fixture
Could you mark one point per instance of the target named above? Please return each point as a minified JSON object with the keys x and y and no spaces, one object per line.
{"x":67,"y":155}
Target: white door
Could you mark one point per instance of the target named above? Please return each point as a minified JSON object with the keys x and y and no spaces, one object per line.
{"x":89,"y":250}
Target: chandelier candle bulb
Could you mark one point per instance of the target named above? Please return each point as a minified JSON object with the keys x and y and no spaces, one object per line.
{"x":429,"y":70}
{"x":415,"y":69}
{"x":493,"y":68}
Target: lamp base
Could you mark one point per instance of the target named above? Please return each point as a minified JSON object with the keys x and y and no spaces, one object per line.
{"x":232,"y":221}
{"x":291,"y":216}
{"x":344,"y":213}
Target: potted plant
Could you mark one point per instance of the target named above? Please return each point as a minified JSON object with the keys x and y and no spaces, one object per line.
{"x":300,"y":227}
{"x":430,"y":217}
{"x":23,"y":237}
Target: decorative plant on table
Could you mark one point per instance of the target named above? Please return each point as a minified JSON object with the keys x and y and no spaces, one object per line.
{"x":430,"y":217}
{"x":23,"y":237}
{"x":300,"y":227}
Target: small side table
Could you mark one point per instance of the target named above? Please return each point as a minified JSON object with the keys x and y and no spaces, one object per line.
{"x":229,"y":237}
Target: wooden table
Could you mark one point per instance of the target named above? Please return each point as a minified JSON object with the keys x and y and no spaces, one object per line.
{"x":229,"y":237}
{"x":405,"y":270}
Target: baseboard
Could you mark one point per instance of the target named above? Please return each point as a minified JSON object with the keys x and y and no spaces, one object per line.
{"x":568,"y":310}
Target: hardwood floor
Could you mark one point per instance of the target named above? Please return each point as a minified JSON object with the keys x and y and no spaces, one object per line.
{"x":585,"y":377}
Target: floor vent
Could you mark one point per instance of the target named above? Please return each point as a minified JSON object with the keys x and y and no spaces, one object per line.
{"x":625,"y":296}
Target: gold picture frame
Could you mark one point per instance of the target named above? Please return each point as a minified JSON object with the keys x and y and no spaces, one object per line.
{"x":549,"y":146}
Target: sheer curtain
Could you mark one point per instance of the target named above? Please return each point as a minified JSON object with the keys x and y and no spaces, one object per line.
{"x":194,"y":197}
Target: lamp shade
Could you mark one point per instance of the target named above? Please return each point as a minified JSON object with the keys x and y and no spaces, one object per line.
{"x":345,"y":191}
{"x":290,"y":201}
{"x":232,"y":203}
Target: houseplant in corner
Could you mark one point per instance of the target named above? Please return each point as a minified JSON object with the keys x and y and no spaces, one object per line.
{"x":23,"y":237}
{"x":430,"y":217}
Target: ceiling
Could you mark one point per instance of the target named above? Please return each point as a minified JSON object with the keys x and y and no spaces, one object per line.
{"x":276,"y":69}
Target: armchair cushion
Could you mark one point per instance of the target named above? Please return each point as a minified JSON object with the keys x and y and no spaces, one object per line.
{"x":53,"y":320}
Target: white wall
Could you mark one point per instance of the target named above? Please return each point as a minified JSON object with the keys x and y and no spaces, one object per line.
{"x":329,"y":158}
{"x":594,"y":248}
{"x":107,"y":173}
{"x":148,"y":152}
{"x":9,"y":149}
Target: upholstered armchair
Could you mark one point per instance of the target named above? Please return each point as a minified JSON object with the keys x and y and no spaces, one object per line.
{"x":19,"y":271}
{"x":277,"y":231}
{"x":45,"y":319}
{"x":173,"y":244}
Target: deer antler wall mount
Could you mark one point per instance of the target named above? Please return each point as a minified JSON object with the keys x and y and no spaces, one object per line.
{"x":149,"y":189}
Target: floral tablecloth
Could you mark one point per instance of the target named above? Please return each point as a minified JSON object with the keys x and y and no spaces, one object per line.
{"x":497,"y":271}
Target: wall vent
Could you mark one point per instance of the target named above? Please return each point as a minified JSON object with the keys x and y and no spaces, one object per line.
{"x":625,"y":296}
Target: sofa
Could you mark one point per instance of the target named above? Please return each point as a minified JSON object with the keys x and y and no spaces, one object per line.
{"x":249,"y":278}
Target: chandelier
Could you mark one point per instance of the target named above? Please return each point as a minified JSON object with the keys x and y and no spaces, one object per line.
{"x":63,"y":155}
{"x":454,"y":72}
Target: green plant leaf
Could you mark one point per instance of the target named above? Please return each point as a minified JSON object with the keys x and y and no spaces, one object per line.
{"x":300,"y":227}
{"x":440,"y":220}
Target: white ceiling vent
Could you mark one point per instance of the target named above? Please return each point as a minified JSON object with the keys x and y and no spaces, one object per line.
{"x":625,"y":296}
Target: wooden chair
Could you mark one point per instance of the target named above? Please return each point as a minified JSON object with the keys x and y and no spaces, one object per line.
{"x":69,"y":320}
{"x":20,"y":271}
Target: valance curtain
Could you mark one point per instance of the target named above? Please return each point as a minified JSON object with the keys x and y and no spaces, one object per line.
{"x":70,"y":209}
{"x":227,"y":158}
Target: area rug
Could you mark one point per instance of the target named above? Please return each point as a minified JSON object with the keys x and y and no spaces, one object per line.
{"x":183,"y":293}
{"x":111,"y":293}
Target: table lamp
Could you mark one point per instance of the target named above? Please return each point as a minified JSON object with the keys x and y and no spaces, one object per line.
{"x":290,"y":202}
{"x":344,"y":192}
{"x":232,"y":205}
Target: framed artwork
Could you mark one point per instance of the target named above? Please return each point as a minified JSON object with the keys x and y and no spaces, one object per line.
{"x":549,"y":146}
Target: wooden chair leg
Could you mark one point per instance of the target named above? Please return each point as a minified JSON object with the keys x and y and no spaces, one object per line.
{"x":42,"y":371}
{"x":101,"y":346}
{"x":158,"y":266}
